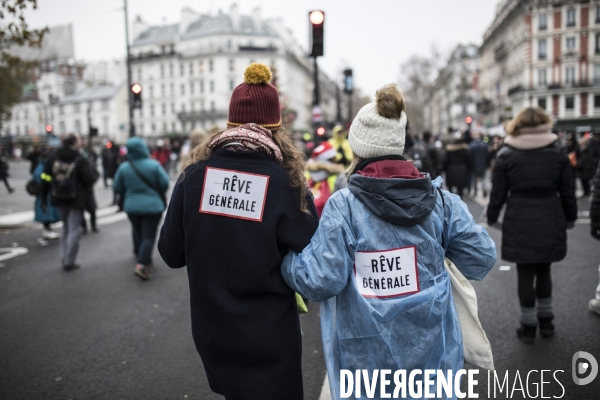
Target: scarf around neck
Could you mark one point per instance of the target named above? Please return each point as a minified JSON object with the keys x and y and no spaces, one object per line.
{"x":251,"y":136}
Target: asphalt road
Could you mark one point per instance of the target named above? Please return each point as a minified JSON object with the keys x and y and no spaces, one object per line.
{"x":102,"y":333}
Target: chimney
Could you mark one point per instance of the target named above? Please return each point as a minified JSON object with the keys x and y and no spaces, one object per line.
{"x":188,"y":16}
{"x":139,"y":27}
{"x":257,"y":19}
{"x":234,"y":14}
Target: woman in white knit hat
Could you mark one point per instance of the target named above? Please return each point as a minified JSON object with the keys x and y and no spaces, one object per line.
{"x":376,"y":261}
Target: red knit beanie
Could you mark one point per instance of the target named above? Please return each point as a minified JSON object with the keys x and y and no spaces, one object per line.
{"x":256,"y":100}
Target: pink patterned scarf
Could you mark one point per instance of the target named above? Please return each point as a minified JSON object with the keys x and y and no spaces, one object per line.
{"x":251,"y":136}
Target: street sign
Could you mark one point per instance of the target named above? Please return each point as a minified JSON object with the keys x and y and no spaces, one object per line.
{"x":317,"y":114}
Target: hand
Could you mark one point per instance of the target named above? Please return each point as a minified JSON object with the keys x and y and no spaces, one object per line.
{"x":570,"y":224}
{"x":596,"y":232}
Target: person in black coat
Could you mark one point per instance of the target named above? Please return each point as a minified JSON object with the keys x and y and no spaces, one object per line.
{"x":457,"y":166}
{"x":589,"y":157}
{"x":534,"y":178}
{"x":594,"y":304}
{"x":238,"y":207}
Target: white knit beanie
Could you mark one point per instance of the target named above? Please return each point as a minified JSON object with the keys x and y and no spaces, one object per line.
{"x":373,"y":135}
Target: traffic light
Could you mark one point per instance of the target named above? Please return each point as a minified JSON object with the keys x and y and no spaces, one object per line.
{"x":320,"y":131}
{"x":136,"y":91}
{"x":93,"y":131}
{"x":49,"y":129}
{"x":348,"y":81}
{"x":468,"y":120}
{"x":317,"y":21}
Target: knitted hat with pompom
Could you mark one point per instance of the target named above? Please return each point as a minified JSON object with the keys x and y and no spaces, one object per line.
{"x":379,"y":128}
{"x":256,"y":100}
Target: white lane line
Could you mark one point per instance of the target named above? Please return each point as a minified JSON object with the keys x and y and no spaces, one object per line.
{"x":111,"y":219}
{"x":325,"y":392}
{"x":11,"y":252}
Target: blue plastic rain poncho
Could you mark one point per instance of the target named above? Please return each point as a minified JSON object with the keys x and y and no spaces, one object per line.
{"x":381,"y":211}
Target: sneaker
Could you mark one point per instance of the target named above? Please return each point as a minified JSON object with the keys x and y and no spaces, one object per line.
{"x":594,"y":305}
{"x":526,"y":334}
{"x":11,"y":190}
{"x":50,"y":234}
{"x":150,"y":268}
{"x":70,"y":267}
{"x":141,"y":271}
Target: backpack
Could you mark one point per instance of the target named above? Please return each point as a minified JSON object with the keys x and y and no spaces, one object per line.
{"x":64,"y":179}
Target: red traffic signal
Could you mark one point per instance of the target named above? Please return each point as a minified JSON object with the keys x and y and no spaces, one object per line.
{"x":316,"y":18}
{"x":321,"y":130}
{"x":48,"y":128}
{"x":468,"y":120}
{"x":136,"y":88}
{"x":136,"y":100}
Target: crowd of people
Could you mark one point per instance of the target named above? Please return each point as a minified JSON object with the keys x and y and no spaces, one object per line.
{"x":363,"y":226}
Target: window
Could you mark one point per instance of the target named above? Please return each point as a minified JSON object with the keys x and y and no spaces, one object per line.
{"x":570,"y":103}
{"x":152,"y":110}
{"x":571,"y":43}
{"x":570,"y":75}
{"x":105,"y":104}
{"x":151,"y":91}
{"x":172,"y":90}
{"x":210,"y":65}
{"x":542,"y":102}
{"x":62,"y":128}
{"x":77,"y":126}
{"x":597,"y":43}
{"x":192,"y":106}
{"x":170,"y":69}
{"x":181,"y":69}
{"x":164,"y":126}
{"x":571,"y":17}
{"x":201,"y":66}
{"x":182,"y":89}
{"x":543,"y":22}
{"x":212,"y":106}
{"x":597,"y":14}
{"x":173,"y":110}
{"x":542,"y":76}
{"x":229,"y":45}
{"x":162,"y":90}
{"x":231,"y":64}
{"x":191,"y":68}
{"x":162,"y":71}
{"x":212,"y":86}
{"x":76,"y":107}
{"x":153,"y":127}
{"x":191,"y":87}
{"x":597,"y":101}
{"x":201,"y":86}
{"x":105,"y":125}
{"x":182,"y":107}
{"x":542,"y":49}
{"x":164,"y":109}
{"x":172,"y":126}
{"x":230,"y":85}
{"x":597,"y":73}
{"x":61,"y":110}
{"x":139,"y":74}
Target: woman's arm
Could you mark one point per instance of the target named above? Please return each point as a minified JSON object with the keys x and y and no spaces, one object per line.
{"x":322,"y":269}
{"x":171,"y":242}
{"x":566,"y":190}
{"x":499,"y":189}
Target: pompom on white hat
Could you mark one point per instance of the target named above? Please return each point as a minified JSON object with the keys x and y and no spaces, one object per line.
{"x":379,"y":128}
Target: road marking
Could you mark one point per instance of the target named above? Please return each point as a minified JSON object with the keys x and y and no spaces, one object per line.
{"x":505,"y":268}
{"x":11,"y":252}
{"x":325,"y":392}
{"x":584,"y":221}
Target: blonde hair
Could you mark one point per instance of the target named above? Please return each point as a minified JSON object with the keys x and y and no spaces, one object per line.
{"x":529,"y":117}
{"x":293,"y":163}
{"x":353,"y":164}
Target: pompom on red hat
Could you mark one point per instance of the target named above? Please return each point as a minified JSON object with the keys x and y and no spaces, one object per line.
{"x":324,"y":152}
{"x":256,"y":100}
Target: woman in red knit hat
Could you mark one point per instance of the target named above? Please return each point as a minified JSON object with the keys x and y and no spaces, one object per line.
{"x":239,"y":206}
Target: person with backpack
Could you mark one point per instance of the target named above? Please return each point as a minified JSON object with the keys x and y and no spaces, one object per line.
{"x":376,"y":262}
{"x":67,"y":174}
{"x":143,"y":183}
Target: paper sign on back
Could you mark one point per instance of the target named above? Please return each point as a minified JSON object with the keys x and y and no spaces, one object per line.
{"x":234,"y":194}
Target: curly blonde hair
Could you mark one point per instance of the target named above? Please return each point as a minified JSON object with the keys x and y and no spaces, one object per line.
{"x":293,"y":162}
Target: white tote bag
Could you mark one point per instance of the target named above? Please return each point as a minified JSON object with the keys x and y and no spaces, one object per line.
{"x":476,"y":346}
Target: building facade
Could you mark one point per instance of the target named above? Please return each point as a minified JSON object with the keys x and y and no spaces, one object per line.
{"x":542,"y":53}
{"x":188,"y":71}
{"x":452,"y":97}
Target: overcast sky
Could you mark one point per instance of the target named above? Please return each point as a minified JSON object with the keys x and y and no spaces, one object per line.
{"x":373,"y":37}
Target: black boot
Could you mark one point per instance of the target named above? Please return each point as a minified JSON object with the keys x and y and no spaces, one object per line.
{"x":526,"y":333}
{"x":546,"y":327}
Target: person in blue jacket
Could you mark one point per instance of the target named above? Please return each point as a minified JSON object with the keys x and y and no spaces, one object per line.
{"x":143,"y":182}
{"x":376,"y":261}
{"x":50,"y":215}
